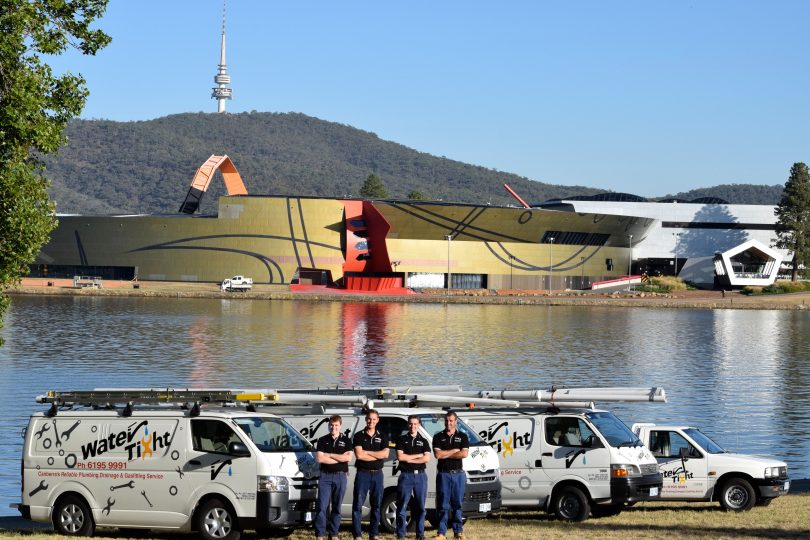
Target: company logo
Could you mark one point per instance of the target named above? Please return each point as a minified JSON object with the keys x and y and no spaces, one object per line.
{"x":137,"y":445}
{"x":504,"y":442}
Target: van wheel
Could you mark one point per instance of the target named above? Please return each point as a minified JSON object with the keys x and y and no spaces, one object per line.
{"x":388,"y":514}
{"x":215,"y":521}
{"x":737,"y":495}
{"x":570,"y":504}
{"x":72,"y":517}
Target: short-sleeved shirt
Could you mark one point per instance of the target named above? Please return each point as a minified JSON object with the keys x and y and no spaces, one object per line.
{"x":371,"y":443}
{"x":329,"y":445}
{"x":443,"y":441}
{"x":412,"y":445}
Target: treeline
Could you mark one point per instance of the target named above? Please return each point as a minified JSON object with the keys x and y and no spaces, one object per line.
{"x":147,"y":166}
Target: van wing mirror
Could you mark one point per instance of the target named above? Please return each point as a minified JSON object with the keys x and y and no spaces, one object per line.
{"x":592,"y":441}
{"x":683,"y":453}
{"x":238,"y":449}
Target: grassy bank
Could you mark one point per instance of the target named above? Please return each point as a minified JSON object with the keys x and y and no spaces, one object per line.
{"x":787,"y":517}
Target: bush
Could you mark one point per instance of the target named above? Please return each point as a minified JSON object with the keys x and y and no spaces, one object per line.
{"x":782,"y":287}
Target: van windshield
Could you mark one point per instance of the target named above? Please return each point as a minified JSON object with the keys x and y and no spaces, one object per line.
{"x":273,"y":434}
{"x":434,"y":423}
{"x":613,"y":429}
{"x":703,"y":440}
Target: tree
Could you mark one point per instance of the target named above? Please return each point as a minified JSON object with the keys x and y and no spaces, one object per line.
{"x":793,"y":218}
{"x":35,"y":107}
{"x":417,"y":196}
{"x":373,"y":188}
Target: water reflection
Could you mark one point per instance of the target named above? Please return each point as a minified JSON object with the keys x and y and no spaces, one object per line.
{"x":742,"y":376}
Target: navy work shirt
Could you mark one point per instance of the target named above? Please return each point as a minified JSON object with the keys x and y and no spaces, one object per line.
{"x":412,"y":445}
{"x":371,"y":443}
{"x":443,"y":441}
{"x":329,"y":445}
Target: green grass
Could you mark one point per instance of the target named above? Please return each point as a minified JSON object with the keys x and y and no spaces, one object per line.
{"x":780,"y":287}
{"x":786,"y":517}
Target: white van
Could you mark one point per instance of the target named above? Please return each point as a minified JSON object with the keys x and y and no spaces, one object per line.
{"x":570,"y":462}
{"x":483,"y":490}
{"x":213,"y":471}
{"x":696,"y":468}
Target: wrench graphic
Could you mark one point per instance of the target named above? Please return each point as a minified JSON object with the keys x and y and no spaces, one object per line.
{"x":180,"y":472}
{"x":130,"y":485}
{"x":56,"y":432}
{"x":147,"y":498}
{"x":110,"y":503}
{"x":66,"y":434}
{"x":42,"y":431}
{"x":41,"y":487}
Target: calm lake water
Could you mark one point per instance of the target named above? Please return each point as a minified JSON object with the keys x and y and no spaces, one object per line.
{"x":742,"y":376}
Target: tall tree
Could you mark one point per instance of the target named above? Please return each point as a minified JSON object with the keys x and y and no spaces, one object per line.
{"x":793,"y":218}
{"x":35,"y":107}
{"x":373,"y":188}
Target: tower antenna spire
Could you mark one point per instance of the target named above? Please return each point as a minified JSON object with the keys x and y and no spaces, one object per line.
{"x":222,"y":91}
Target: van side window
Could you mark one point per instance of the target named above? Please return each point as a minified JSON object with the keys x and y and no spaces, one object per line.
{"x":394,"y":428}
{"x":668,"y":444}
{"x":566,"y":431}
{"x":212,"y":436}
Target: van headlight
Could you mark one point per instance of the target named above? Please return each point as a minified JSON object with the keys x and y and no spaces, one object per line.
{"x":273,"y":483}
{"x":624,"y":471}
{"x":775,"y":472}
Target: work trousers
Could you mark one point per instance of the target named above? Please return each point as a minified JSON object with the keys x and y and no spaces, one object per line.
{"x":449,"y":498}
{"x":331,"y":488}
{"x":411,"y":483}
{"x":366,"y":482}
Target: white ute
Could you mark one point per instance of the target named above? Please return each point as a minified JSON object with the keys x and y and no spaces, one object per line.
{"x":237,"y":284}
{"x":160,"y":460}
{"x":695,"y":468}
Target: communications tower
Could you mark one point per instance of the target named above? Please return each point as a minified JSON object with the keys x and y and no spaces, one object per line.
{"x":222,"y":91}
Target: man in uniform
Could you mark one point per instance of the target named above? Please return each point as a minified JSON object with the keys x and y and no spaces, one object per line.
{"x":371,"y":450}
{"x":413,"y":452}
{"x":450,"y":447}
{"x":334,"y":451}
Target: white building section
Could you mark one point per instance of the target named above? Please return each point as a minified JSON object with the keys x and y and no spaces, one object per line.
{"x":750,"y":263}
{"x":222,"y":91}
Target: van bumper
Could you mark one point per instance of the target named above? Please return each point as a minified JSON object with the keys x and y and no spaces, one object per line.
{"x":24,"y":509}
{"x":639,"y":488}
{"x":770,"y":488}
{"x":276,"y":508}
{"x":481,"y":498}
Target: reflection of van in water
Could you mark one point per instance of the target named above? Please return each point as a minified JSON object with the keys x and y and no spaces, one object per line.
{"x":483,"y":490}
{"x":570,"y":462}
{"x":216,"y":473}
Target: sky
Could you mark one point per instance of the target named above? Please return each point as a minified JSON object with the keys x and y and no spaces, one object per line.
{"x":647,"y":97}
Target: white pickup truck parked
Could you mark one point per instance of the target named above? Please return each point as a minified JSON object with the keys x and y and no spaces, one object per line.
{"x":237,"y":283}
{"x":695,"y":468}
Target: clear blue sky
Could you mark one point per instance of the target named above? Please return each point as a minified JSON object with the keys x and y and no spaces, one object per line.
{"x":646,"y":97}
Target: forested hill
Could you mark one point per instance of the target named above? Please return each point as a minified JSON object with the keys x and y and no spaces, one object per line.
{"x":147,"y":166}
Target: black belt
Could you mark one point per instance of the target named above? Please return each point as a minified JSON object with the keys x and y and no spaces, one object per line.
{"x":422,"y":471}
{"x":453,"y":471}
{"x":369,"y":470}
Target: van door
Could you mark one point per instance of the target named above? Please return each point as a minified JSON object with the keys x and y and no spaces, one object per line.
{"x":517,"y":441}
{"x":568,"y":452}
{"x":684,"y":478}
{"x":211,"y":469}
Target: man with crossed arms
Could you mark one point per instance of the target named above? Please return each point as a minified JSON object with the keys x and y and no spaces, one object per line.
{"x":450,"y":447}
{"x":413,"y":452}
{"x":334,"y":451}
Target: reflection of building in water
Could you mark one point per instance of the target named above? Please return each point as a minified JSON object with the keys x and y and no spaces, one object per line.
{"x":364,"y":341}
{"x":204,"y":370}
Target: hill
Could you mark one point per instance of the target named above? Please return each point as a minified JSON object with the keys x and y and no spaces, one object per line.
{"x":147,"y":166}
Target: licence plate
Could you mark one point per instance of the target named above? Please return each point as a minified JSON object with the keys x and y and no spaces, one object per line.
{"x":485,"y":507}
{"x":787,"y":486}
{"x":308,"y":516}
{"x":654,"y":491}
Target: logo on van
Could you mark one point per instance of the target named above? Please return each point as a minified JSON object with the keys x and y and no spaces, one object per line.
{"x":505,"y":445}
{"x":135,"y":448}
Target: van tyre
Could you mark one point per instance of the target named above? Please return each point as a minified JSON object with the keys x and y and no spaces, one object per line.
{"x":72,"y":517}
{"x":571,"y":504}
{"x":388,"y":514}
{"x":737,"y":495}
{"x":216,"y":521}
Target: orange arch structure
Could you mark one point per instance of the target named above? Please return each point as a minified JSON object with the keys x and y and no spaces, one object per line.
{"x":202,"y":179}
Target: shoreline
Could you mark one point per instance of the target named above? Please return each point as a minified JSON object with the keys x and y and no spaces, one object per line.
{"x":699,"y":299}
